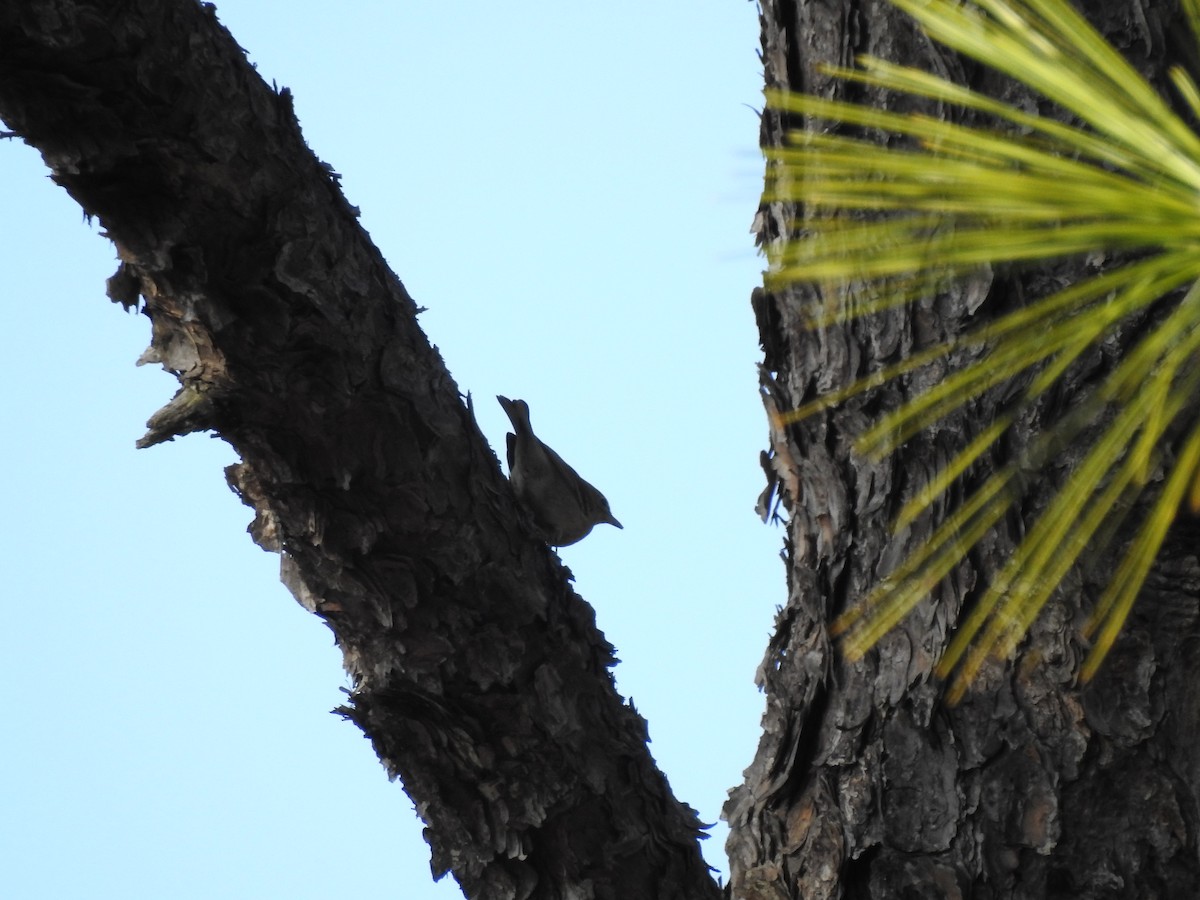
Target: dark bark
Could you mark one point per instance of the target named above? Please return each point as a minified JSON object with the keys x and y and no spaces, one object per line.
{"x":865,"y":783}
{"x":478,"y":674}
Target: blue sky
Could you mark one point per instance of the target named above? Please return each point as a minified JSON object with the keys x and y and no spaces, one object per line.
{"x":569,"y":192}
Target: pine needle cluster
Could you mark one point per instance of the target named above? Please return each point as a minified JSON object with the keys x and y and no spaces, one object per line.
{"x":951,"y":198}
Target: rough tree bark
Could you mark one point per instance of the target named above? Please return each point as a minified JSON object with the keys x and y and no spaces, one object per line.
{"x":865,"y":784}
{"x":478,"y":674}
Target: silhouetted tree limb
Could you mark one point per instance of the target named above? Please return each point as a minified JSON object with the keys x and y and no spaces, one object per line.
{"x":478,"y":674}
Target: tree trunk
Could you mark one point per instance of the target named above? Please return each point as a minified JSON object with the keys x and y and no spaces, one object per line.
{"x":866,"y":784}
{"x":478,"y":674}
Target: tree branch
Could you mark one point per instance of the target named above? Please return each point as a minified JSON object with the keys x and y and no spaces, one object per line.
{"x":478,"y":674}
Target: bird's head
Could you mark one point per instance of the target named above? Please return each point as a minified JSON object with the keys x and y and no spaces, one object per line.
{"x":516,"y":410}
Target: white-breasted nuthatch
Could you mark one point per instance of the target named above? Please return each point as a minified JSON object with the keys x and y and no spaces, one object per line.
{"x":563,"y":506}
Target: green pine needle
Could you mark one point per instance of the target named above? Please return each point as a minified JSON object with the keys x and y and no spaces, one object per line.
{"x":944,"y":200}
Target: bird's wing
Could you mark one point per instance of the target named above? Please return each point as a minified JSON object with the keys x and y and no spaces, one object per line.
{"x":588,"y":496}
{"x":510,"y":440}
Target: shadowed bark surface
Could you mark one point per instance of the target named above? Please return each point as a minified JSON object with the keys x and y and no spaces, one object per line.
{"x":865,"y":784}
{"x":478,"y":674}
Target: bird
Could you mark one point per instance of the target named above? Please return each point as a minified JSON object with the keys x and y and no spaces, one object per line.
{"x":564,"y":508}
